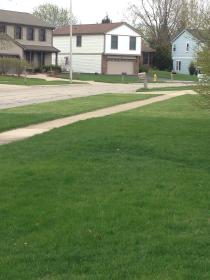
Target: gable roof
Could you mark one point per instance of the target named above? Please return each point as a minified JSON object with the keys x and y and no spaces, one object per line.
{"x":199,"y":35}
{"x":88,"y":29}
{"x":12,"y":17}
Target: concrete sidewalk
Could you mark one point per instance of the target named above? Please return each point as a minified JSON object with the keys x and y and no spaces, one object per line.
{"x":32,"y":130}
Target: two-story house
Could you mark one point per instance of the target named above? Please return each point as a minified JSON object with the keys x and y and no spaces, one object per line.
{"x":111,"y":48}
{"x":25,"y":36}
{"x":185,"y":47}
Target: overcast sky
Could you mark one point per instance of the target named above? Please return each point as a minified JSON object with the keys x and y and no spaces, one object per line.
{"x":87,"y":11}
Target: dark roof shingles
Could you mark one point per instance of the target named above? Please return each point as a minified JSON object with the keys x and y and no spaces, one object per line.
{"x":87,"y":29}
{"x":21,"y":18}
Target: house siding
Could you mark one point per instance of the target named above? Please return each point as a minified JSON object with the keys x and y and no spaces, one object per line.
{"x":186,"y":57}
{"x":124,"y":33}
{"x":95,"y":53}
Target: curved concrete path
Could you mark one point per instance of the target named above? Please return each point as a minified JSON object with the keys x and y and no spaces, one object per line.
{"x":32,"y":130}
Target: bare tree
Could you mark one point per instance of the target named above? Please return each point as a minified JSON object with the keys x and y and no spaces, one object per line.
{"x":157,"y":19}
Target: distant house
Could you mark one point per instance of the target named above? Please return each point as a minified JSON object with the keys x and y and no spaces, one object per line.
{"x":23,"y":35}
{"x":111,"y":48}
{"x":185,"y":47}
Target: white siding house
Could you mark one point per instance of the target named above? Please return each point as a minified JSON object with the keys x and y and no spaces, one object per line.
{"x":184,"y":50}
{"x":100,"y":48}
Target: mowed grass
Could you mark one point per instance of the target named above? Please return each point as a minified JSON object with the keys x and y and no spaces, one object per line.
{"x":12,"y":80}
{"x":22,"y":116}
{"x":176,"y":88}
{"x":121,"y":197}
{"x":177,"y":77}
{"x":162,"y":75}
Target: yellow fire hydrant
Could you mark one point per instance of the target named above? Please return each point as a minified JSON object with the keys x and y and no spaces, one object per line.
{"x":155,"y":78}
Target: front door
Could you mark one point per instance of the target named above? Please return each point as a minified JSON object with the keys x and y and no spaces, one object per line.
{"x":41,"y":59}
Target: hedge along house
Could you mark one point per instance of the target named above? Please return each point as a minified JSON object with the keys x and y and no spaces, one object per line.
{"x":24,"y":36}
{"x":185,"y":47}
{"x":111,"y":48}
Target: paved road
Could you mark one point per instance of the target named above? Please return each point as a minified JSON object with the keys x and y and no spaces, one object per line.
{"x":14,"y":96}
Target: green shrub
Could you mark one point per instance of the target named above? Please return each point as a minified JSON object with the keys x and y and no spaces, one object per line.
{"x":12,"y":65}
{"x":143,"y":68}
{"x":192,"y":68}
{"x":163,"y":59}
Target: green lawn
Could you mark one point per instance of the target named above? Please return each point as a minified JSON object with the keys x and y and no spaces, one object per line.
{"x":166,"y":89}
{"x":177,"y":77}
{"x":121,"y":197}
{"x":12,"y":80}
{"x":162,"y":75}
{"x":103,"y":78}
{"x":22,"y":116}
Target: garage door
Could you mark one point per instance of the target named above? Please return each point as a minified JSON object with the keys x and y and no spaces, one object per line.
{"x":118,"y":67}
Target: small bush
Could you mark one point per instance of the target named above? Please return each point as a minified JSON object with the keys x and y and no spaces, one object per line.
{"x":51,"y":68}
{"x":12,"y":65}
{"x":192,"y":69}
{"x":143,"y":68}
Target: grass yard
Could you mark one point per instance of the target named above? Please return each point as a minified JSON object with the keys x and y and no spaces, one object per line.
{"x":121,"y":197}
{"x":177,"y":77}
{"x":22,"y":116}
{"x":166,"y":89}
{"x":12,"y":80}
{"x":162,"y":75}
{"x":103,"y":78}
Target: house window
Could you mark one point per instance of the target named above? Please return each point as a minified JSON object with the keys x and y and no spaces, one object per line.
{"x":2,"y":28}
{"x":187,"y":47}
{"x":178,"y":65}
{"x":18,"y":32}
{"x":79,"y":41}
{"x":132,"y":43}
{"x":174,"y":47}
{"x":114,"y":42}
{"x":30,"y":33}
{"x":42,"y":35}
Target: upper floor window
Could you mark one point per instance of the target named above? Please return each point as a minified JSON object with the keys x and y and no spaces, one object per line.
{"x":42,"y":35}
{"x":187,"y":47}
{"x":2,"y":28}
{"x":174,"y":47}
{"x":133,"y":43}
{"x":30,"y":33}
{"x":18,"y":32}
{"x":79,"y":40}
{"x":114,"y":42}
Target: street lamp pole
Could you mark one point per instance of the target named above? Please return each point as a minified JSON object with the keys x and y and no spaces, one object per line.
{"x":71,"y":35}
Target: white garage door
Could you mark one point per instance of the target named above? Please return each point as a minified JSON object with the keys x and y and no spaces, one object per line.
{"x":118,"y":67}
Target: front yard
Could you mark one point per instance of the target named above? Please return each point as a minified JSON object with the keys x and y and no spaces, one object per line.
{"x":13,"y":80}
{"x":162,"y":75}
{"x":23,"y":116}
{"x":121,"y":197}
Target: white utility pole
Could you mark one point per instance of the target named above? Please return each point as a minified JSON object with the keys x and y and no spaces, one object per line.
{"x":71,"y":35}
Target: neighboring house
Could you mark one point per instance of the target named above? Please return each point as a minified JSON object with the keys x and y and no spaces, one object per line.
{"x":23,"y":35}
{"x":185,"y":47}
{"x":111,"y":48}
{"x":148,"y":54}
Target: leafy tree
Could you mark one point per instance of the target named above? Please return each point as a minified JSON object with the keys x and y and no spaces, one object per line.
{"x":106,"y":19}
{"x":54,"y":15}
{"x":203,"y":64}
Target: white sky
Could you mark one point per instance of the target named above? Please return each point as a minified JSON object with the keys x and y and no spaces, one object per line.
{"x":87,"y":11}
